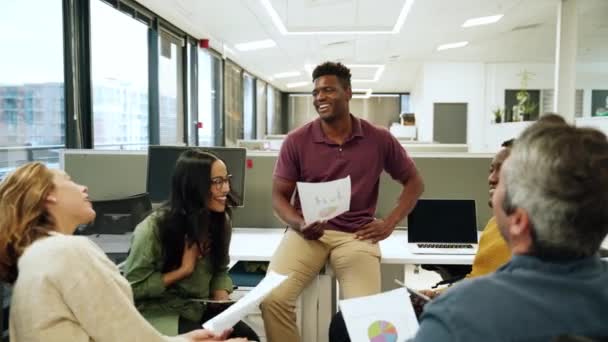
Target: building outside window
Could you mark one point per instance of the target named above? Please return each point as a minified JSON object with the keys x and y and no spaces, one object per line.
{"x":119,"y":71}
{"x":32,"y":110}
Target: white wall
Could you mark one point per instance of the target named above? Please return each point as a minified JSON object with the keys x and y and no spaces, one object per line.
{"x":417,"y":94}
{"x":482,"y":86}
{"x":600,"y":123}
{"x":501,"y":76}
{"x":450,"y":83}
{"x":588,"y":77}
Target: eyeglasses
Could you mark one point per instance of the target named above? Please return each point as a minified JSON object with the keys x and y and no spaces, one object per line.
{"x":218,"y":182}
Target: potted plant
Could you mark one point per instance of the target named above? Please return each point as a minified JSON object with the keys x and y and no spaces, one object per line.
{"x":498,"y":114}
{"x":524,"y":107}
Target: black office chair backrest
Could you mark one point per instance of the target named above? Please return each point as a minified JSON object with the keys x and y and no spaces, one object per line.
{"x":118,"y":216}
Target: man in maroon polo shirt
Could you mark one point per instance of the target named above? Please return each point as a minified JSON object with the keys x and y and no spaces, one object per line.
{"x":335,"y":145}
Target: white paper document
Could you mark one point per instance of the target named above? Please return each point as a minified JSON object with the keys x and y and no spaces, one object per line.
{"x":324,"y":201}
{"x":233,"y":314}
{"x":385,"y":317}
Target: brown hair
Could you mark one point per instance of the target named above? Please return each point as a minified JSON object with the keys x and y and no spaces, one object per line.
{"x":23,"y":216}
{"x":551,"y":118}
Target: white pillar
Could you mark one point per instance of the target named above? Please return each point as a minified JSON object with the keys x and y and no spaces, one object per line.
{"x":565,"y":59}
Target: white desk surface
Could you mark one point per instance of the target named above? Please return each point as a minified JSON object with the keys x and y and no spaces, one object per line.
{"x":259,"y":244}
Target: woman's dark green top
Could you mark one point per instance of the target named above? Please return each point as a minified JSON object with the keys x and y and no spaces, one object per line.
{"x":162,"y":306}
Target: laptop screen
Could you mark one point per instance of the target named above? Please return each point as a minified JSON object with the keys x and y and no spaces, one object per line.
{"x":443,"y":221}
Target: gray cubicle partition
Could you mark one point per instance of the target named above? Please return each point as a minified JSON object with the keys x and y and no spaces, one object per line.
{"x":114,"y":174}
{"x":257,"y":211}
{"x":449,"y":176}
{"x":461,"y":175}
{"x":107,"y":174}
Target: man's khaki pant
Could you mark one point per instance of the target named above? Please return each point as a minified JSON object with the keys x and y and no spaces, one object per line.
{"x":355,"y":263}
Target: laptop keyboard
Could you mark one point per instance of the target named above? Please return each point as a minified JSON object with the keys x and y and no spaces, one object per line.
{"x":444,"y":245}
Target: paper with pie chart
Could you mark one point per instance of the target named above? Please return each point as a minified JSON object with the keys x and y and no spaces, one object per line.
{"x":385,"y":317}
{"x":324,"y":201}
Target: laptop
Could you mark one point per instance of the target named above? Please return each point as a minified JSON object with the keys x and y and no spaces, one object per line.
{"x":442,"y":226}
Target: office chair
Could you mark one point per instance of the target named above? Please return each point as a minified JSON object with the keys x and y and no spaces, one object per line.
{"x":449,"y":273}
{"x":117,"y":216}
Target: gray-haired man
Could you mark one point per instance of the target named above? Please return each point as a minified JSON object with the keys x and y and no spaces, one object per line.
{"x":551,"y":205}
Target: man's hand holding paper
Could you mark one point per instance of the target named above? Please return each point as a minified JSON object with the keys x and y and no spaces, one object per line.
{"x":313,"y":231}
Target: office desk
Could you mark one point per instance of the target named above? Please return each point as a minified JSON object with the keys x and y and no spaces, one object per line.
{"x":259,"y":244}
{"x":255,"y":244}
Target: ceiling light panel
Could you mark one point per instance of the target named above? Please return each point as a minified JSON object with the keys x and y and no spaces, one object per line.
{"x":256,"y":45}
{"x":297,"y":84}
{"x":482,"y":20}
{"x":280,"y":26}
{"x":287,"y":74}
{"x":362,"y":93}
{"x":452,"y":46}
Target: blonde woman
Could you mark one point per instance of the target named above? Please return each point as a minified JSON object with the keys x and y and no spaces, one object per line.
{"x":64,"y":286}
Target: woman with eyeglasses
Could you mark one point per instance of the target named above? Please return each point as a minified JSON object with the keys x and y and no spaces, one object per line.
{"x":179,"y":253}
{"x":64,"y":287}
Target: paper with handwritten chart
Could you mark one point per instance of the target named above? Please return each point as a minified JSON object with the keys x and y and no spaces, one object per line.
{"x":324,"y":201}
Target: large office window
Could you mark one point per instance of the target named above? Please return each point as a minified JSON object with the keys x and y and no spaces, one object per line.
{"x":261,"y":104}
{"x":249,"y":97}
{"x":170,"y":73}
{"x":32,"y":110}
{"x":190,"y":89}
{"x":119,"y":71}
{"x":404,"y":103}
{"x":233,"y":103}
{"x":591,"y":99}
{"x":209,"y":99}
{"x":274,"y":117}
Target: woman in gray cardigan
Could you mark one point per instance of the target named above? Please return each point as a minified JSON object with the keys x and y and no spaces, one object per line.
{"x":64,"y":287}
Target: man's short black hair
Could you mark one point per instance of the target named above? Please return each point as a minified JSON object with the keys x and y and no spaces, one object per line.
{"x":508,"y":143}
{"x":336,"y":69}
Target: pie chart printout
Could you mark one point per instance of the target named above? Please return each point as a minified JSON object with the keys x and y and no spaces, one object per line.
{"x":382,"y":331}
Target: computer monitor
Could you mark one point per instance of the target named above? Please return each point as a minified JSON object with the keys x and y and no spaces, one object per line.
{"x":117,"y":216}
{"x":442,"y":221}
{"x":162,"y":159}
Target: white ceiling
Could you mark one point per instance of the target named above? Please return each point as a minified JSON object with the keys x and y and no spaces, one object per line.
{"x":526,"y":33}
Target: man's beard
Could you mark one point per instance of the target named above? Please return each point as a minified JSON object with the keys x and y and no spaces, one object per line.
{"x":329,"y":119}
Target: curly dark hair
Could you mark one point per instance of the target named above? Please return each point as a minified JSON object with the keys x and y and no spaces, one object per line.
{"x":336,"y":69}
